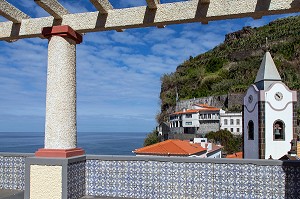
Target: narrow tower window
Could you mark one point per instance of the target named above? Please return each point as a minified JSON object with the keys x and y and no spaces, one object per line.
{"x":278,"y":130}
{"x":250,"y":130}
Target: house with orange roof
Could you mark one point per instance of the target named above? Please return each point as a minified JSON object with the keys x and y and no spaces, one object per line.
{"x":237,"y":155}
{"x":181,"y":148}
{"x":201,"y":119}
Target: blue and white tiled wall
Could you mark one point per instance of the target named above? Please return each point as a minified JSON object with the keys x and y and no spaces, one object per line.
{"x":76,"y":180}
{"x":158,"y":179}
{"x":12,"y":172}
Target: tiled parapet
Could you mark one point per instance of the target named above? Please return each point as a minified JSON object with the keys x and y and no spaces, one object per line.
{"x":155,"y":177}
{"x":12,"y":171}
{"x":76,"y":179}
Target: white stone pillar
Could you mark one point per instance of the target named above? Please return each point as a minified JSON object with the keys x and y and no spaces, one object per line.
{"x":60,"y":125}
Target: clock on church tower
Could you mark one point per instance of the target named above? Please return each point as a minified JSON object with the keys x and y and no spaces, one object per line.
{"x":269,"y":114}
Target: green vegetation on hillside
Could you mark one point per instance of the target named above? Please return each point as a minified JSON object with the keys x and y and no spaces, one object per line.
{"x":231,"y":143}
{"x":232,"y":66}
{"x":152,"y":138}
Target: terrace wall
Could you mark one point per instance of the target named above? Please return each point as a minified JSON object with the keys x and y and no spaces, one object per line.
{"x":166,"y":177}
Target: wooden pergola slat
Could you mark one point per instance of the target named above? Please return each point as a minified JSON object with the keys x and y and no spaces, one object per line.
{"x":152,"y":4}
{"x":11,"y":13}
{"x":138,"y":17}
{"x":53,"y":7}
{"x":103,"y":6}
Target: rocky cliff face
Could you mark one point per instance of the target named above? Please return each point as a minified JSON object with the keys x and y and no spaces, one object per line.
{"x":245,"y":32}
{"x":232,"y":102}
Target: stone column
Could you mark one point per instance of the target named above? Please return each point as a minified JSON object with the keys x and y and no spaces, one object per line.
{"x":60,"y":125}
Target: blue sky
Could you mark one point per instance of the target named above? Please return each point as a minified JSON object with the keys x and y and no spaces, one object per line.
{"x":118,"y":74}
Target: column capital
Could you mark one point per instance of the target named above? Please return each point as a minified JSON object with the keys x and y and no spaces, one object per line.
{"x":63,"y":31}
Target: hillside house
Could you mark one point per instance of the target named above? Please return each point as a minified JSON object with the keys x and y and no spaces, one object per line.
{"x":232,"y":122}
{"x":199,"y":120}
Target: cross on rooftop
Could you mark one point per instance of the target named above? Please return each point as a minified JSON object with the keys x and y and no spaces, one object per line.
{"x":20,"y":25}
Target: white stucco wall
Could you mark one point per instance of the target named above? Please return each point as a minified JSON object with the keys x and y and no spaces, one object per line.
{"x":278,"y":110}
{"x":251,"y":113}
{"x":194,"y":120}
{"x":229,"y":126}
{"x":215,"y":155}
{"x":45,"y":182}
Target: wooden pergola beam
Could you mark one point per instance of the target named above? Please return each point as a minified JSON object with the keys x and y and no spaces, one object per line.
{"x":137,"y":17}
{"x":11,"y":13}
{"x":53,"y":7}
{"x":152,"y":4}
{"x":103,"y":6}
{"x":204,"y":1}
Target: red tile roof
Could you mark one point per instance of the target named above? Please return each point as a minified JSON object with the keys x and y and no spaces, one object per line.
{"x":187,"y":111}
{"x":206,"y":107}
{"x":238,"y":155}
{"x":203,"y":107}
{"x":171,"y":148}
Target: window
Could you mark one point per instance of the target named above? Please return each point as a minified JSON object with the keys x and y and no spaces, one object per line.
{"x":231,"y":121}
{"x":225,"y":122}
{"x":238,"y":130}
{"x":237,"y":121}
{"x":231,"y":129}
{"x":278,"y":130}
{"x":225,"y":129}
{"x":188,"y":123}
{"x":250,"y":130}
{"x":188,"y":116}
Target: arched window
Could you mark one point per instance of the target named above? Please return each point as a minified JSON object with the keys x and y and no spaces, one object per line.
{"x":278,"y":130}
{"x":250,"y":130}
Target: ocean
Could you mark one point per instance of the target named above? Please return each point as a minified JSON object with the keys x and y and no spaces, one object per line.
{"x":98,"y":143}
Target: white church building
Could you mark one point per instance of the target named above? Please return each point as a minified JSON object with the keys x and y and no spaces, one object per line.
{"x":269,"y":122}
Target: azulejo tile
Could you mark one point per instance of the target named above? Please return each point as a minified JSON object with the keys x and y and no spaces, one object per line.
{"x":76,"y":179}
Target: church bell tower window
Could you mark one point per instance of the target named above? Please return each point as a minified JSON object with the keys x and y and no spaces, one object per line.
{"x":278,"y":130}
{"x":250,"y":130}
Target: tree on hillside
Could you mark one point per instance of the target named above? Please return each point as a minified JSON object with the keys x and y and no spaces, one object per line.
{"x":231,"y":143}
{"x":152,"y":138}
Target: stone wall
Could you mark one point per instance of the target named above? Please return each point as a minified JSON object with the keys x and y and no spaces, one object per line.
{"x":208,"y":126}
{"x":231,"y":101}
{"x":217,"y":101}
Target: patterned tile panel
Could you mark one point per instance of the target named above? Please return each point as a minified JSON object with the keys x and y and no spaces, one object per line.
{"x":76,"y":180}
{"x":151,"y":179}
{"x":12,"y":172}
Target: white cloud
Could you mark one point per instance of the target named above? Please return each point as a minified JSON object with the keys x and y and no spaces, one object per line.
{"x":159,"y":34}
{"x":126,"y":38}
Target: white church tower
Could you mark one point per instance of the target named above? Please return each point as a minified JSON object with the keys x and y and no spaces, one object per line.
{"x":269,"y":122}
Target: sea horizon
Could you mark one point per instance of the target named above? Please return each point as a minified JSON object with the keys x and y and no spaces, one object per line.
{"x":96,"y":143}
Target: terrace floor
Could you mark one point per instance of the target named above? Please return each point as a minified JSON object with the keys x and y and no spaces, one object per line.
{"x":102,"y":197}
{"x":11,"y":194}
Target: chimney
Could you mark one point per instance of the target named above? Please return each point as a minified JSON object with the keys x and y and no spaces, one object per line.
{"x":209,"y":146}
{"x":294,"y":147}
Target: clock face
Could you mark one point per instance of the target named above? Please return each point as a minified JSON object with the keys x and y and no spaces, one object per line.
{"x":250,"y":98}
{"x":278,"y":96}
